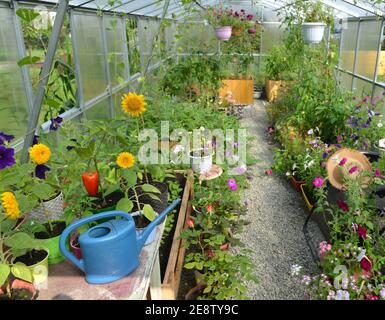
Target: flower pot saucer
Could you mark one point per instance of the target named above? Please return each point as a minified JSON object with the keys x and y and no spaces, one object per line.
{"x":215,"y":172}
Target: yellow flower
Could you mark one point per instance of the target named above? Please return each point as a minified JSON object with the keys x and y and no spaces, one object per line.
{"x":10,"y":205}
{"x":125,"y":160}
{"x":133,"y":104}
{"x":39,"y":153}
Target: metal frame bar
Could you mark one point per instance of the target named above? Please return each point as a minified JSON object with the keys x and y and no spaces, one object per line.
{"x":378,"y":56}
{"x":355,"y":52}
{"x":106,"y":65}
{"x":52,"y":45}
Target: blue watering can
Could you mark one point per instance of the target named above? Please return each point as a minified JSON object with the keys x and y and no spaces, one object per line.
{"x":111,"y":249}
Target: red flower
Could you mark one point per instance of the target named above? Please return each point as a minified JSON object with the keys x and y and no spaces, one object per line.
{"x":190,"y":223}
{"x":210,"y":253}
{"x":366,"y":264}
{"x":269,"y":172}
{"x":343,"y":205}
{"x":210,"y":208}
{"x":362,"y":232}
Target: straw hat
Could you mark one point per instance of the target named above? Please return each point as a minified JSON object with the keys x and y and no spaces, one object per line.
{"x":350,"y":158}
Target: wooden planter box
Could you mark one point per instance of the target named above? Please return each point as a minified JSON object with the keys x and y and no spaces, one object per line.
{"x":241,"y":89}
{"x":171,"y":280}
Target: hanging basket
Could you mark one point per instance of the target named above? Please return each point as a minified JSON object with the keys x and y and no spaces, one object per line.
{"x":223,"y":33}
{"x":313,"y":32}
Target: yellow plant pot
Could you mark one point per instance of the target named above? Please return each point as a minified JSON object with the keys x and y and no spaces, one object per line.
{"x":242,"y":90}
{"x":305,"y":198}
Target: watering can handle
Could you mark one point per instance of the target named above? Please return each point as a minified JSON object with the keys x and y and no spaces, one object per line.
{"x":79,"y":223}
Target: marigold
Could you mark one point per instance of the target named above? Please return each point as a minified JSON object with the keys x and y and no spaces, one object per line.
{"x":40,"y":153}
{"x":10,"y":205}
{"x":133,"y":104}
{"x":125,"y":160}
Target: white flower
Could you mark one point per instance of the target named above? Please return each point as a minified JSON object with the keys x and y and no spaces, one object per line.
{"x":361,"y":255}
{"x":202,"y":129}
{"x":310,"y":132}
{"x":295,"y":270}
{"x":382,"y":293}
{"x":331,"y":295}
{"x":310,"y":163}
{"x":342,"y":295}
{"x":288,"y":174}
{"x":379,"y":124}
{"x":294,"y":166}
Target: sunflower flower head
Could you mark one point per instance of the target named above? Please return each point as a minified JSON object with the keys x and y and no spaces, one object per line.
{"x":133,"y":104}
{"x":40,"y":153}
{"x":125,"y":160}
{"x":10,"y":205}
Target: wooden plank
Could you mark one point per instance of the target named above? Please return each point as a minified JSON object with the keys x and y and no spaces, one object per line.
{"x":241,"y":89}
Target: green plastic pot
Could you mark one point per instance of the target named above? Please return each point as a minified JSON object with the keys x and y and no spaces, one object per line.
{"x":52,"y":245}
{"x":40,"y":270}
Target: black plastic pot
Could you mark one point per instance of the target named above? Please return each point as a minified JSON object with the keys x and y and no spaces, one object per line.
{"x":158,"y":205}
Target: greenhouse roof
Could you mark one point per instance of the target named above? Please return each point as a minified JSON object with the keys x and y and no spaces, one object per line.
{"x":176,"y":9}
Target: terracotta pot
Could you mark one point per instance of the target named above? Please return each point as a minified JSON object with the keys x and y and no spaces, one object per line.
{"x":296,"y":183}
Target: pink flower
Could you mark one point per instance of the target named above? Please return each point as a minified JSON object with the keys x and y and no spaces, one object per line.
{"x":343,"y":205}
{"x":353,"y":169}
{"x":377,"y":173}
{"x":318,"y":182}
{"x":343,"y":161}
{"x":366,"y":264}
{"x":190,"y":223}
{"x":232,"y":184}
{"x":362,"y":232}
{"x":210,"y":208}
{"x":269,"y":172}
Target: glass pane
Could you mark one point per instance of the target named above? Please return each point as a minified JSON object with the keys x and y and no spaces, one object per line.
{"x":362,"y":88}
{"x":116,"y":54}
{"x":91,"y":56}
{"x":379,"y":93}
{"x":381,"y":63}
{"x":348,"y":45}
{"x":13,"y":102}
{"x":147,"y":30}
{"x":345,"y":81}
{"x":272,"y":36}
{"x":368,"y":46}
{"x":98,"y":111}
{"x":132,"y":43}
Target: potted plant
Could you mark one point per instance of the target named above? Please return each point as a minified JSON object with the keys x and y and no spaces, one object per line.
{"x":222,"y":21}
{"x":313,"y":27}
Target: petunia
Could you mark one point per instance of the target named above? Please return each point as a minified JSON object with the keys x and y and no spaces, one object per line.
{"x":5,"y":138}
{"x":353,"y":169}
{"x":55,"y":123}
{"x":377,"y":173}
{"x":269,"y":172}
{"x":40,"y":171}
{"x":232,"y":184}
{"x":339,"y":138}
{"x":35,"y":140}
{"x":343,"y":161}
{"x":318,"y":182}
{"x":366,"y":264}
{"x":7,"y":157}
{"x":325,"y":155}
{"x":362,"y":232}
{"x":323,"y":164}
{"x":249,"y":178}
{"x":343,"y":205}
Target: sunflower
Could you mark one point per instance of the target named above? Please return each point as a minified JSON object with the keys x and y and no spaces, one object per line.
{"x":125,"y":160}
{"x":133,"y":104}
{"x":39,"y":153}
{"x":10,"y":205}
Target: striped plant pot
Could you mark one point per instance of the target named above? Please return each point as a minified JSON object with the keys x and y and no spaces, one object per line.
{"x":49,"y":210}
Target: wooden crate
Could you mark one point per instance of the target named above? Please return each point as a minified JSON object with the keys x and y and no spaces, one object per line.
{"x":171,"y":280}
{"x":241,"y":89}
{"x":274,"y":89}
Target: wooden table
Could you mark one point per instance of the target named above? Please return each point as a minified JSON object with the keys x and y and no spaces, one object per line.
{"x":67,"y":282}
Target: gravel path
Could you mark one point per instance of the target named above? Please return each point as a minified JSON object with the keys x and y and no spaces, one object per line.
{"x":276,"y":214}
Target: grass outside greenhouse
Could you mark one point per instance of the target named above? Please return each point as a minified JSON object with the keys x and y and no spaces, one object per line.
{"x":192,"y":150}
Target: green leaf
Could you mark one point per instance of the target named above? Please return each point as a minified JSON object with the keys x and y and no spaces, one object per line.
{"x":125,"y":205}
{"x":27,"y":15}
{"x":43,"y":191}
{"x":189,"y":265}
{"x":20,"y":240}
{"x":28,"y":60}
{"x":111,"y":189}
{"x":4,"y":273}
{"x":149,"y":188}
{"x":21,"y":271}
{"x":149,"y":212}
{"x":130,"y":177}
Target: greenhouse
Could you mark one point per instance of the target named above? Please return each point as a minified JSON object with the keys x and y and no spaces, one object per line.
{"x":193,"y":149}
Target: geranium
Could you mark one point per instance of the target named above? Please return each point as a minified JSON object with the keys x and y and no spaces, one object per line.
{"x":343,"y":161}
{"x":40,"y":153}
{"x":7,"y":158}
{"x":362,"y":232}
{"x":343,"y":205}
{"x":10,"y":205}
{"x":232,"y":184}
{"x":125,"y":160}
{"x":133,"y":104}
{"x":318,"y":182}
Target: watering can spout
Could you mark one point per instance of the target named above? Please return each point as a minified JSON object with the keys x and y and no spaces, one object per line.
{"x":141,"y":239}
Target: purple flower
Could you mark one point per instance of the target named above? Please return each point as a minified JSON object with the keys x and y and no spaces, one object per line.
{"x":339,"y":138}
{"x":240,"y":170}
{"x":229,"y":153}
{"x":377,"y":173}
{"x":35,"y":140}
{"x":7,"y":158}
{"x":323,"y":164}
{"x":358,"y":107}
{"x":325,"y":155}
{"x":5,"y":138}
{"x":251,"y":31}
{"x":343,"y":161}
{"x":249,"y":178}
{"x":365,"y":145}
{"x":366,"y":99}
{"x":249,"y":17}
{"x":232,"y":184}
{"x":337,"y":145}
{"x":55,"y":123}
{"x":353,"y":169}
{"x":40,"y":171}
{"x":318,"y":182}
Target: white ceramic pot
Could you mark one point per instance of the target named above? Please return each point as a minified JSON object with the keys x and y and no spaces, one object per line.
{"x":313,"y":32}
{"x":257,"y":94}
{"x":49,"y":210}
{"x":201,"y":164}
